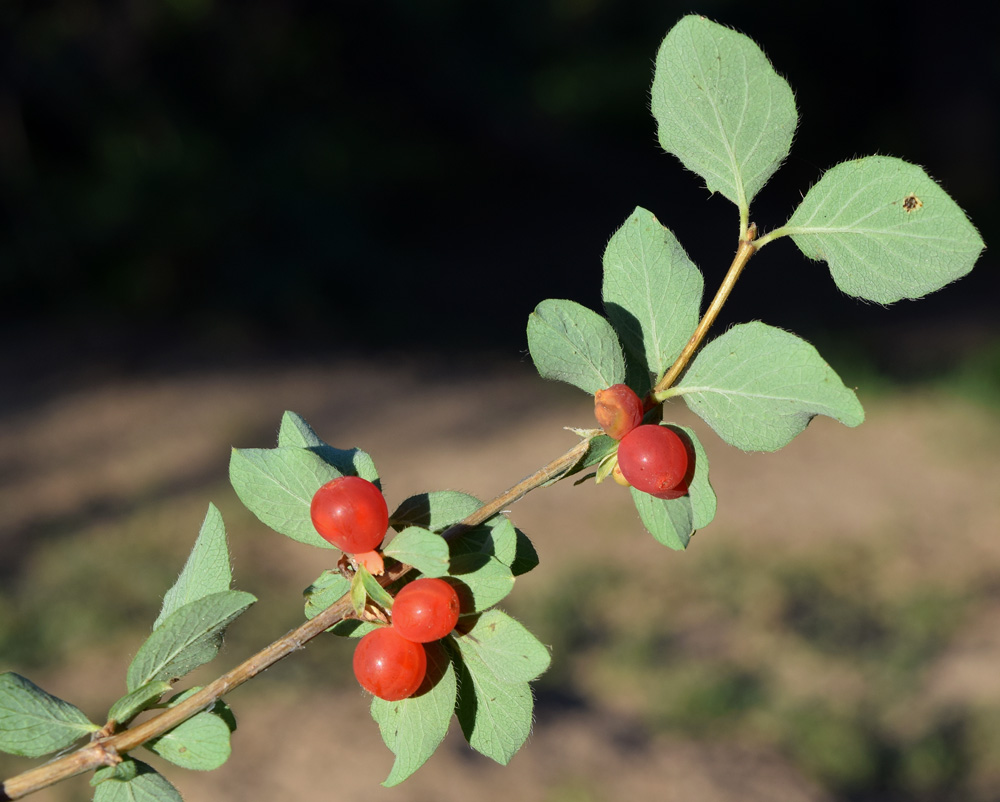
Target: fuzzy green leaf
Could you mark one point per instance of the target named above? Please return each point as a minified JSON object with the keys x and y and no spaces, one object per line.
{"x":414,"y":728}
{"x":886,"y":230}
{"x":703,"y":499}
{"x":669,"y":521}
{"x":277,"y":485}
{"x":494,"y":712}
{"x":652,"y":291}
{"x":721,"y":108}
{"x":421,"y":548}
{"x":435,"y":511}
{"x":758,"y":387}
{"x":373,"y":589}
{"x":481,"y":580}
{"x":296,"y":432}
{"x":207,"y":569}
{"x":131,"y":704}
{"x":571,"y":343}
{"x":511,"y":651}
{"x":34,"y":723}
{"x":497,"y":537}
{"x":133,"y":781}
{"x":201,"y":743}
{"x":328,"y":588}
{"x":189,"y":637}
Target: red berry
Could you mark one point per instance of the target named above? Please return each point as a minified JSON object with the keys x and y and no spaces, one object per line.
{"x":618,"y":410}
{"x":654,"y":460}
{"x":388,"y":665}
{"x":425,"y":610}
{"x":351,"y":513}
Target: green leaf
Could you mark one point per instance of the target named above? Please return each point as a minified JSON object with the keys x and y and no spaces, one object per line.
{"x":703,"y":499}
{"x":414,"y":728}
{"x":424,"y":550}
{"x":482,"y":580}
{"x":495,"y":714}
{"x":573,"y":344}
{"x":652,"y":290}
{"x":34,"y":723}
{"x":207,"y":569}
{"x":721,"y":108}
{"x":296,"y":432}
{"x":512,"y":653}
{"x":358,"y":595}
{"x":497,"y":538}
{"x":132,"y":781}
{"x":327,"y":589}
{"x":669,"y":521}
{"x":201,"y":743}
{"x":189,"y":637}
{"x":373,"y":589}
{"x":435,"y":511}
{"x":886,"y":230}
{"x":131,"y":704}
{"x":525,"y":556}
{"x":758,"y":387}
{"x":277,"y":485}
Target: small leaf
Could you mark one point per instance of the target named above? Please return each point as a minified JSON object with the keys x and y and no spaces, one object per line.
{"x":703,"y":499}
{"x":435,"y":511}
{"x":130,"y":705}
{"x":886,"y":230}
{"x":133,"y":781}
{"x":277,"y":485}
{"x":295,"y":431}
{"x":207,"y":569}
{"x":328,"y":588}
{"x":424,"y":550}
{"x":201,"y":743}
{"x":495,"y":716}
{"x":669,"y":521}
{"x":512,"y":653}
{"x":571,"y":343}
{"x":759,"y":387}
{"x":652,"y":290}
{"x":373,"y":589}
{"x":187,"y":638}
{"x":482,"y":580}
{"x":525,"y":556}
{"x":34,"y":723}
{"x":497,"y":538}
{"x":414,"y":728}
{"x":721,"y":108}
{"x":358,"y":595}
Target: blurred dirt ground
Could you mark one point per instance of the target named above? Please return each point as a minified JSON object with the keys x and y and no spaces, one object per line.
{"x":103,"y":487}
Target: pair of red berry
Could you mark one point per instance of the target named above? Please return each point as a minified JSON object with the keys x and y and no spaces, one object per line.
{"x":651,"y":458}
{"x":390,"y":662}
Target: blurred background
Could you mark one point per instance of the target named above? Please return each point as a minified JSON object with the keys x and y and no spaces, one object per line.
{"x":211,"y":213}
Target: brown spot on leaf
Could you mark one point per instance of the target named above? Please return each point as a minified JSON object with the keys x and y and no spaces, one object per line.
{"x":911,"y":203}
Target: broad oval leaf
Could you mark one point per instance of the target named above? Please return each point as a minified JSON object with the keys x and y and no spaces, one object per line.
{"x":436,"y":510}
{"x":187,"y":638}
{"x":651,"y":290}
{"x":512,"y":653}
{"x":481,"y":580}
{"x":571,"y":343}
{"x":424,"y":550}
{"x":413,"y":728}
{"x":201,"y":743}
{"x":669,"y":521}
{"x":131,"y":704}
{"x":758,"y":387}
{"x":277,"y":485}
{"x":133,"y":781}
{"x":721,"y":108}
{"x":886,"y":230}
{"x":295,"y":431}
{"x":34,"y":723}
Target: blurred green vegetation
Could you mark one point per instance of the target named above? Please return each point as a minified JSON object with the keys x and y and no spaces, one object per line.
{"x":811,"y":652}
